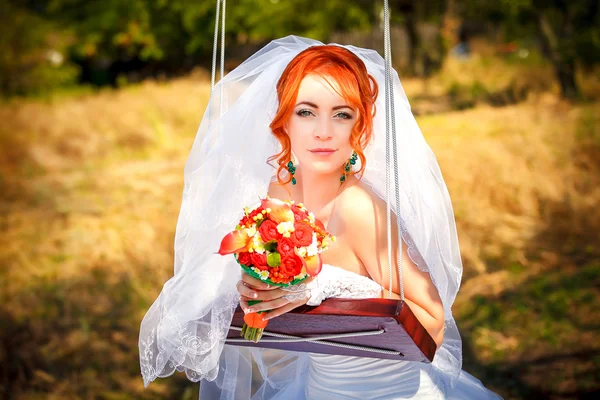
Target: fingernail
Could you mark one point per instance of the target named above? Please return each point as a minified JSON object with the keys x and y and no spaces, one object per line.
{"x":254,"y":294}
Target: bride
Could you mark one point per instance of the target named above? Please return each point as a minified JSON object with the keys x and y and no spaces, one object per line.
{"x":304,"y":121}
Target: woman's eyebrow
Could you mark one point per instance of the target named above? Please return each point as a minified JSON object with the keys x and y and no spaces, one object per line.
{"x":313,"y":105}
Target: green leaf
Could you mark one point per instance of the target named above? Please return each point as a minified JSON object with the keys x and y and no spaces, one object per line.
{"x":273,"y":259}
{"x":271,"y":246}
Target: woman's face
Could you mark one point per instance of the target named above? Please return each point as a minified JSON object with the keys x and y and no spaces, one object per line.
{"x":320,"y":126}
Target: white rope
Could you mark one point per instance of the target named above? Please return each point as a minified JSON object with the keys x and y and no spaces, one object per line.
{"x":214,"y":56}
{"x":390,"y":122}
{"x":222,"y":53}
{"x":213,"y":73}
{"x":321,"y":339}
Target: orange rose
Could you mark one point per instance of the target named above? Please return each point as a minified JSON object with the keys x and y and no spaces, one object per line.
{"x":258,"y":260}
{"x":244,"y":258}
{"x":291,"y":265}
{"x":268,"y":231}
{"x":285,"y":247}
{"x":302,"y":235}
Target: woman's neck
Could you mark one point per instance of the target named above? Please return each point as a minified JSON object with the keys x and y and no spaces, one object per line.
{"x":317,"y":191}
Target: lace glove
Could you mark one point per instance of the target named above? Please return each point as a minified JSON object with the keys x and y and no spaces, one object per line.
{"x":334,"y":282}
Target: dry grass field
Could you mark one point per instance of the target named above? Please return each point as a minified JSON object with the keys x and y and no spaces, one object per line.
{"x":90,"y":187}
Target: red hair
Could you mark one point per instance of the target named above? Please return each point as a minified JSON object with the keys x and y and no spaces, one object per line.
{"x":356,"y":85}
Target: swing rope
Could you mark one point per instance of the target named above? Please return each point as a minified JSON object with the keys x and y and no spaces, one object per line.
{"x":390,"y":121}
{"x":220,"y":4}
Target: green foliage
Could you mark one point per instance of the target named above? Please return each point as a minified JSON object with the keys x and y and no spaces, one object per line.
{"x":575,"y":24}
{"x":567,"y":31}
{"x":31,"y":54}
{"x":111,"y":36}
{"x":259,"y":20}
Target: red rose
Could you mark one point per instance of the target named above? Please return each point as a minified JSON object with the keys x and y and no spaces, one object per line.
{"x":302,"y":235}
{"x":244,"y":258}
{"x":268,"y":231}
{"x":285,"y":247}
{"x":319,"y":225}
{"x":258,"y":260}
{"x":299,"y":215}
{"x":291,"y":266}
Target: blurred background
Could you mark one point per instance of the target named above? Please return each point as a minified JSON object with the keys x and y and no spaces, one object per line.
{"x":100,"y":104}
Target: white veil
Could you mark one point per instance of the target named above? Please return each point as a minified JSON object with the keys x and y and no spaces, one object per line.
{"x":226,"y":170}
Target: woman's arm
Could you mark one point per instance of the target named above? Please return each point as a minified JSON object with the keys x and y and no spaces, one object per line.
{"x":366,"y":213}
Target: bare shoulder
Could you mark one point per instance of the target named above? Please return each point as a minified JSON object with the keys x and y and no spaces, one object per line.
{"x":277,"y":191}
{"x":365,"y":212}
{"x":362,"y":207}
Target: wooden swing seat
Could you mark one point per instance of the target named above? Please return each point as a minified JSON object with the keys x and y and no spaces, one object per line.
{"x":378,"y":328}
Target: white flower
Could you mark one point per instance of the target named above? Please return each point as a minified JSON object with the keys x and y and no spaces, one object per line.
{"x":311,"y":217}
{"x":301,"y":251}
{"x":285,"y":228}
{"x":300,"y":276}
{"x":313,"y":249}
{"x":264,"y":275}
{"x":257,"y":244}
{"x":251,"y":231}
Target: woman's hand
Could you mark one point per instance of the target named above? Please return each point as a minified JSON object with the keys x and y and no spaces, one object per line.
{"x":272,"y":297}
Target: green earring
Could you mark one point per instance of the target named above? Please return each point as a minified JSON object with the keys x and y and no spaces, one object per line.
{"x":292,"y":170}
{"x":349,"y":165}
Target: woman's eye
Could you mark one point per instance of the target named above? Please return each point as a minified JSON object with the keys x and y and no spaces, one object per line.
{"x":344,"y":115}
{"x":304,"y":113}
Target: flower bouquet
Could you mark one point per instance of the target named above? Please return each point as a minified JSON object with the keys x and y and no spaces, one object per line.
{"x":280,"y":243}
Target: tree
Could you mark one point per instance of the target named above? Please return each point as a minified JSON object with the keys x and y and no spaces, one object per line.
{"x":31,"y":48}
{"x":111,"y":37}
{"x":568,"y":31}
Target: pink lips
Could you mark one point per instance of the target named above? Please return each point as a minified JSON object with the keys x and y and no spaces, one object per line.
{"x":322,"y":152}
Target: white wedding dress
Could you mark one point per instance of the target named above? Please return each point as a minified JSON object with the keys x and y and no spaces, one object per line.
{"x":334,"y":377}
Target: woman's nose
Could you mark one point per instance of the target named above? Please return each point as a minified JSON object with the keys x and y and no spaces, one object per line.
{"x":323,"y":130}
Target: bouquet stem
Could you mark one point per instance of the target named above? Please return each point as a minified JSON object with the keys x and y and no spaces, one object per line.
{"x":254,"y":325}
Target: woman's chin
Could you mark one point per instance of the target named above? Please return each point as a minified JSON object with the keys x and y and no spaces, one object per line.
{"x":323,"y":169}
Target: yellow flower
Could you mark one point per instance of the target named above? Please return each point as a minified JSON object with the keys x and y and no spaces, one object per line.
{"x":257,"y":244}
{"x":285,"y":228}
{"x":301,"y":251}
